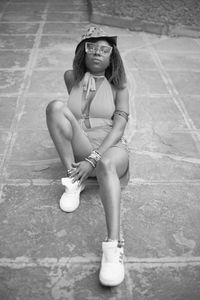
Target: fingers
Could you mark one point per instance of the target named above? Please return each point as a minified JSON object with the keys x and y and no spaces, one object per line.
{"x":75,"y":165}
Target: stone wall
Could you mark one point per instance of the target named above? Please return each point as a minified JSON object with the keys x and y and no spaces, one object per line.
{"x":159,"y":16}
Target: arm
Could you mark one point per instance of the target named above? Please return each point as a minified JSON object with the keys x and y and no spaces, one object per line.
{"x":119,"y":122}
{"x":69,"y":80}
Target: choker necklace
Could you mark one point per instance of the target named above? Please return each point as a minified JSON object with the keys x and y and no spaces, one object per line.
{"x":89,"y":83}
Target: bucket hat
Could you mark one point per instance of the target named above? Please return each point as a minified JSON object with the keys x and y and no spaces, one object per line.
{"x":96,"y":33}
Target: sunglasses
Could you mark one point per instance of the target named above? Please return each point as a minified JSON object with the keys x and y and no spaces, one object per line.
{"x":92,"y":48}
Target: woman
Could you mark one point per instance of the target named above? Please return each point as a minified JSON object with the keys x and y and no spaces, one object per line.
{"x":88,"y":135}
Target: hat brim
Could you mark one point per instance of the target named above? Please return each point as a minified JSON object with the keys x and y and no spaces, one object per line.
{"x":111,"y":39}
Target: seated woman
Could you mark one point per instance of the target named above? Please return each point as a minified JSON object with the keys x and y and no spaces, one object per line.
{"x":88,"y":135}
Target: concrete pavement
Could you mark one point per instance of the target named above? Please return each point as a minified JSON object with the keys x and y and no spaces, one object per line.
{"x":46,"y":254}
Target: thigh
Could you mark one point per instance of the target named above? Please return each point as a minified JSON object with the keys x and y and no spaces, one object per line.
{"x":80,"y":142}
{"x":120,"y":158}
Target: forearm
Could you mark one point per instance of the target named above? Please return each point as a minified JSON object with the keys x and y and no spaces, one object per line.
{"x":110,"y":140}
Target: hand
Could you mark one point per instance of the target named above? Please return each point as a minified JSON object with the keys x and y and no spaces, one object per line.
{"x":82,"y":171}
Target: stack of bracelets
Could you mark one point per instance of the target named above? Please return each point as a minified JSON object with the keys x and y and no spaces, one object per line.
{"x":93,"y":158}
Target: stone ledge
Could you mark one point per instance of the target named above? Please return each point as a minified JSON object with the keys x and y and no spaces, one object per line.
{"x":150,"y":27}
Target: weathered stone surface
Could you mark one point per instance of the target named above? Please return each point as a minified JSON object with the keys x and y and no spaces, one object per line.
{"x":7,"y":111}
{"x":34,"y":226}
{"x":186,"y":83}
{"x":163,"y":142}
{"x":150,"y":166}
{"x":46,"y":82}
{"x":63,"y":28}
{"x":19,"y":16}
{"x":176,"y":45}
{"x":11,"y":81}
{"x":192,"y":105}
{"x":46,"y":254}
{"x":179,"y":61}
{"x":55,"y":57}
{"x":77,"y":16}
{"x":67,"y":42}
{"x":14,"y":59}
{"x":148,"y":82}
{"x":34,"y":114}
{"x":162,"y":220}
{"x":140,"y":60}
{"x":18,"y":28}
{"x":4,"y":136}
{"x":158,"y":114}
{"x":165,"y":283}
{"x":33,"y":145}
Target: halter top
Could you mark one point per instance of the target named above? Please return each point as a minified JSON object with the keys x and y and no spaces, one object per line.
{"x":101,"y":108}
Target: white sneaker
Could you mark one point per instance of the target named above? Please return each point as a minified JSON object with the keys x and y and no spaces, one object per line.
{"x":112,"y":267}
{"x":71,"y":197}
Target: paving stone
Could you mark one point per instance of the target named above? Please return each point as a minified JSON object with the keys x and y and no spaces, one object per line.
{"x":55,"y":57}
{"x":186,"y":83}
{"x":66,"y":7}
{"x":67,"y":42}
{"x":159,"y":114}
{"x":170,"y":143}
{"x":44,"y":169}
{"x":26,"y":283}
{"x":21,"y":17}
{"x":63,"y":282}
{"x":81,"y":282}
{"x":16,"y":42}
{"x":65,"y":28}
{"x":7,"y":111}
{"x":192,"y":105}
{"x":33,"y":145}
{"x":148,"y":82}
{"x":140,"y":59}
{"x":34,"y":113}
{"x":27,"y":8}
{"x":14,"y":59}
{"x":148,"y":166}
{"x":46,"y":82}
{"x":132,"y":43}
{"x":4,"y":136}
{"x":179,"y":61}
{"x":176,"y":44}
{"x":34,"y":226}
{"x":19,"y":28}
{"x":167,"y":283}
{"x":77,"y":16}
{"x":162,"y":220}
{"x":11,"y":81}
{"x":48,"y":254}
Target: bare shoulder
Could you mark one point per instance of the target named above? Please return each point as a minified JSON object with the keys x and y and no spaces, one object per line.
{"x":69,"y":80}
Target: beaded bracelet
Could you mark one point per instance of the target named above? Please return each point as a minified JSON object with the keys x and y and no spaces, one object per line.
{"x":95,"y":155}
{"x":122,"y":114}
{"x":90,"y":161}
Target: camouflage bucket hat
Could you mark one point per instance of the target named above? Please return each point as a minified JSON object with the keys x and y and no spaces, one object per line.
{"x":96,"y":33}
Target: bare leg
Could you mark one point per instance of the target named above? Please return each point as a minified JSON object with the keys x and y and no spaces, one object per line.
{"x":113,"y":165}
{"x":68,"y":137}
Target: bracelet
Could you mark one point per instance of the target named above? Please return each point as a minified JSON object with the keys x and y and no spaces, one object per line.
{"x":95,"y":155}
{"x":121,"y":113}
{"x":90,"y":161}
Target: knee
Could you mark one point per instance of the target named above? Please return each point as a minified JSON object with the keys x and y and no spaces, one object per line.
{"x":105,"y":166}
{"x":53,"y":107}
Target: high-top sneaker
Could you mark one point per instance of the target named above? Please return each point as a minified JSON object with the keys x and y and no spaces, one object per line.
{"x":112,"y":267}
{"x":71,"y":197}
